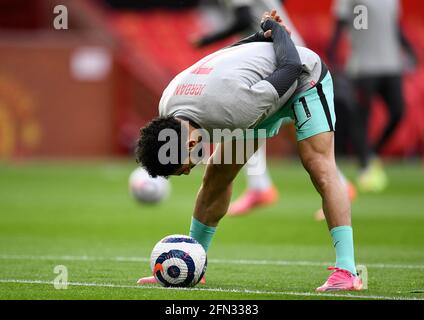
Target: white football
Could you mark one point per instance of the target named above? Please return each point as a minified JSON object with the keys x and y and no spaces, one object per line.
{"x":178,"y":261}
{"x":146,"y":189}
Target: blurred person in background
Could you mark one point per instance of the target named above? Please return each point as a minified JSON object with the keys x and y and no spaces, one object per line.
{"x":375,"y":66}
{"x":260,"y":188}
{"x":245,"y":20}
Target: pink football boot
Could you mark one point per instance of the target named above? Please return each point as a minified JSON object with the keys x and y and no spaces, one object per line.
{"x":252,"y":199}
{"x":341,"y":280}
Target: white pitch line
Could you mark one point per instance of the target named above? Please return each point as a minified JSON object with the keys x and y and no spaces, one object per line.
{"x":220,"y":290}
{"x":218,"y":261}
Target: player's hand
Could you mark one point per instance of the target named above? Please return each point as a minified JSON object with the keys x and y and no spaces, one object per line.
{"x":275,"y":17}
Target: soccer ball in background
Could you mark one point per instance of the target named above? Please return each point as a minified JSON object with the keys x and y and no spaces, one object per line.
{"x":146,"y":189}
{"x":178,"y":261}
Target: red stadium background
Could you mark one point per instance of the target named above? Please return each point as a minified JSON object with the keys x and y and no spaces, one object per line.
{"x":52,"y":106}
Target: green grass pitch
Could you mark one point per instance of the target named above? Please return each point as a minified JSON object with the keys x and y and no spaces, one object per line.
{"x":81,"y":216}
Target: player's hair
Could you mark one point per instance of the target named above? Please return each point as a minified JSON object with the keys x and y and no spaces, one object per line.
{"x":148,"y":146}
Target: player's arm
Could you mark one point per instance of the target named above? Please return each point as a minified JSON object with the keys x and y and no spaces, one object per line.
{"x":407,"y":47}
{"x":342,"y":11}
{"x":289,"y":66}
{"x":214,"y":195}
{"x":260,"y":36}
{"x":243,"y":18}
{"x":340,"y":26}
{"x":257,"y":37}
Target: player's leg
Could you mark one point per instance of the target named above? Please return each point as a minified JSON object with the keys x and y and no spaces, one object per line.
{"x":372,"y":177}
{"x":315,"y":122}
{"x":392,"y":94}
{"x":258,"y":178}
{"x":346,"y":106}
{"x":317,"y":155}
{"x":260,"y":189}
{"x":215,"y":192}
{"x":390,"y":89}
{"x":364,"y":90}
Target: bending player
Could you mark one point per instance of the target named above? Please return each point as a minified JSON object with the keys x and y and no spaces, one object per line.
{"x":254,"y":84}
{"x":260,"y":188}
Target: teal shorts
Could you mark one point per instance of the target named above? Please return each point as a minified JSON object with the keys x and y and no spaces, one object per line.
{"x":312,"y":112}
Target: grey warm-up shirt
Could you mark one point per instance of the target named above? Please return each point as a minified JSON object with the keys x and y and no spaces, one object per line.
{"x":376,"y":50}
{"x":227,"y":90}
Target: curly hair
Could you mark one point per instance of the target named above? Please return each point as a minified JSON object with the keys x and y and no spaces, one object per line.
{"x":148,"y":147}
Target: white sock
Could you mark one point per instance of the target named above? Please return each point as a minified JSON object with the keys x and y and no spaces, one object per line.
{"x":257,"y":175}
{"x":342,"y":177}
